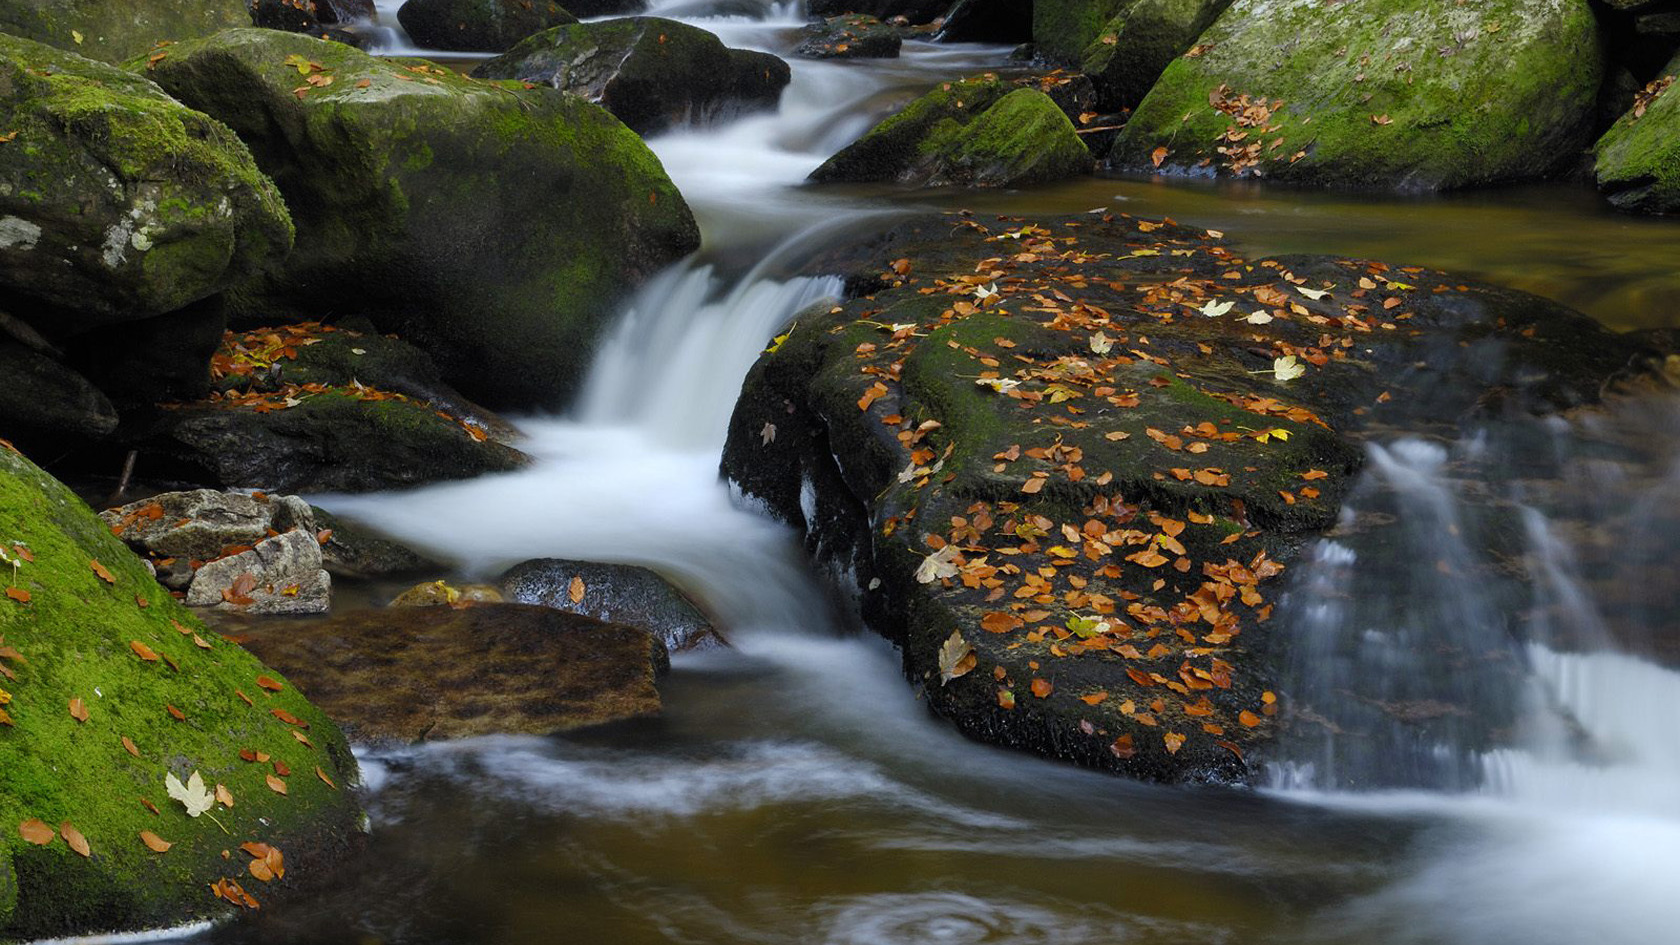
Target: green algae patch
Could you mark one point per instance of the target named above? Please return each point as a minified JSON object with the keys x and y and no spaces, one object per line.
{"x":113,"y":30}
{"x":1399,"y":94}
{"x":119,"y":203}
{"x":492,"y":225}
{"x":112,"y":686}
{"x":1637,"y":162}
{"x":978,"y":132}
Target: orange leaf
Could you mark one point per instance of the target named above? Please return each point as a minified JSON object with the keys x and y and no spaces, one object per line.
{"x":1158,"y":155}
{"x":1094,"y":698}
{"x":260,"y":870}
{"x":178,"y":715}
{"x":18,"y":594}
{"x":74,"y":837}
{"x":156,"y":843}
{"x":999,"y":622}
{"x":78,"y":709}
{"x":128,"y":746}
{"x":1174,"y":741}
{"x":324,"y":779}
{"x":35,"y":831}
{"x":1042,"y":688}
{"x":302,"y":738}
{"x":576,"y":590}
{"x":1034,"y":485}
{"x":289,"y":718}
{"x":269,"y":683}
{"x":99,"y":569}
{"x":275,"y":784}
{"x":143,"y":651}
{"x":1248,"y":718}
{"x":1122,"y":747}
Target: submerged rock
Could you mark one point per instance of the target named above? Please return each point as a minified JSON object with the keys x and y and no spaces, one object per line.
{"x":478,"y":25}
{"x":981,"y":132}
{"x":652,"y":73}
{"x":617,"y":593}
{"x":114,"y":30}
{"x":443,"y":594}
{"x":504,"y":278}
{"x":1395,"y":94}
{"x":1637,"y":162}
{"x":433,"y":673}
{"x":1068,"y":459}
{"x":116,"y":202}
{"x":109,"y":686}
{"x":850,"y":37}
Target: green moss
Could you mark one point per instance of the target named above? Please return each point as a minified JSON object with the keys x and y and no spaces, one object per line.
{"x":76,"y":633}
{"x":114,"y":30}
{"x":1132,"y":50}
{"x":1392,"y":93}
{"x":1638,"y":159}
{"x":1063,"y":28}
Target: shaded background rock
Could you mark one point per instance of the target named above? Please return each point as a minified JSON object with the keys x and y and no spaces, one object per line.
{"x":850,"y":37}
{"x":617,"y":593}
{"x":431,"y":673}
{"x":479,"y":25}
{"x":114,"y":30}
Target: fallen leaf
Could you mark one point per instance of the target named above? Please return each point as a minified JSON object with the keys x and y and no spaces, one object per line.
{"x":1287,"y":368}
{"x":270,"y":683}
{"x":289,"y":718}
{"x":128,"y":746}
{"x":35,"y":831}
{"x":1042,"y":688}
{"x":1094,"y":698}
{"x":1174,"y":741}
{"x":275,"y":784}
{"x":956,"y":657}
{"x":156,"y":843}
{"x":78,"y":709}
{"x":324,"y":779}
{"x":1122,"y":747}
{"x":193,"y":795}
{"x":224,"y":796}
{"x":143,"y":651}
{"x":99,"y":569}
{"x":74,"y":837}
{"x":260,"y":870}
{"x":1248,"y":718}
{"x":576,"y":590}
{"x":999,"y":622}
{"x":178,"y":715}
{"x":18,"y":594}
{"x":1158,"y":155}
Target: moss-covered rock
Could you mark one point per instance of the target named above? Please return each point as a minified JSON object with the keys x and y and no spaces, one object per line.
{"x":1637,"y":162}
{"x":1063,"y":29}
{"x":493,"y":226}
{"x":112,"y":685}
{"x":114,"y":30}
{"x":852,"y":36}
{"x":1135,"y":47}
{"x":478,"y":25}
{"x":117,"y":203}
{"x":1402,"y":94}
{"x":651,"y":72}
{"x":1067,"y":467}
{"x":980,"y":132}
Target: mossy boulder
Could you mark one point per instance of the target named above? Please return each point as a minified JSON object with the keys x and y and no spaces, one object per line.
{"x":1063,"y":29}
{"x":1068,"y":469}
{"x":1400,"y":94}
{"x":652,"y":73}
{"x":981,"y":132}
{"x":494,"y":226}
{"x":1135,"y":47}
{"x":853,"y":36}
{"x":478,"y":25}
{"x":116,"y":202}
{"x":1637,"y":162}
{"x":98,"y":658}
{"x":114,"y":30}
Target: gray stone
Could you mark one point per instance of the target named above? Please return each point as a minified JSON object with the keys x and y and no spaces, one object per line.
{"x":617,"y":593}
{"x":288,"y":573}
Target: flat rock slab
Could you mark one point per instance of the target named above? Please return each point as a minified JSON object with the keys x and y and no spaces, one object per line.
{"x":434,"y":673}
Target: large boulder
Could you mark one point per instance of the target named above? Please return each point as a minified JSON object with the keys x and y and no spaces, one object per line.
{"x":1637,"y":162}
{"x":1063,"y":29}
{"x":1135,"y":47}
{"x":1401,"y":94}
{"x":114,"y":30}
{"x":493,"y":226}
{"x":652,"y":73}
{"x":110,"y":686}
{"x":981,"y":132}
{"x":116,"y":202}
{"x":478,"y":25}
{"x":413,"y":674}
{"x":1068,"y":459}
{"x":850,"y":37}
{"x":616,"y":593}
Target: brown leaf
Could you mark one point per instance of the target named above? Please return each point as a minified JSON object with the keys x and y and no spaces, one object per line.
{"x":18,"y":594}
{"x":282,"y":769}
{"x":99,"y":569}
{"x":576,"y":590}
{"x":74,"y":837}
{"x":37,"y":832}
{"x":78,"y":709}
{"x":1158,"y":155}
{"x":999,"y":622}
{"x":1123,"y":747}
{"x":289,"y":718}
{"x":1174,"y":741}
{"x":270,"y":683}
{"x":1042,"y":688}
{"x":260,"y":870}
{"x":177,"y":714}
{"x":143,"y":651}
{"x":302,"y":738}
{"x":128,"y":746}
{"x":275,"y":784}
{"x":324,"y":779}
{"x":156,"y":843}
{"x":149,"y":806}
{"x":224,"y":797}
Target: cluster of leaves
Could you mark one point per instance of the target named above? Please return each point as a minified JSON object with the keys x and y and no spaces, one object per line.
{"x":1644,"y":97}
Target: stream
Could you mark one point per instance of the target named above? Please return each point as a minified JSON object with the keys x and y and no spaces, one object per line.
{"x":794,"y":791}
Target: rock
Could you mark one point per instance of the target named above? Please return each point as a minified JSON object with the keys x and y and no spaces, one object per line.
{"x":203,"y":523}
{"x":346,"y":11}
{"x":117,"y":203}
{"x":478,"y":25}
{"x":1396,"y":94}
{"x":434,"y":673}
{"x":334,"y":441}
{"x":1665,"y":23}
{"x":114,"y":30}
{"x":317,"y":18}
{"x":158,"y":359}
{"x":1063,"y":29}
{"x":355,"y":551}
{"x":42,"y":396}
{"x":591,"y":8}
{"x":913,"y":11}
{"x":505,"y":279}
{"x":983,"y":132}
{"x":1637,"y":162}
{"x":987,"y":21}
{"x":1094,"y":493}
{"x":1135,"y":47}
{"x":443,"y":594}
{"x":616,"y":593}
{"x":281,"y":575}
{"x":652,"y":73}
{"x":114,"y":644}
{"x":850,"y":37}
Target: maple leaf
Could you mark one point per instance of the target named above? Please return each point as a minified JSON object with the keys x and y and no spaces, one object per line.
{"x":1101,"y":343}
{"x":1287,"y":368}
{"x":1258,"y":318}
{"x":1314,"y":294}
{"x":937,"y":566}
{"x":193,"y":795}
{"x":956,"y":658}
{"x":1002,"y":385}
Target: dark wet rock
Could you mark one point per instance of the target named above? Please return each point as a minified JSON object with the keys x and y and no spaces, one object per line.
{"x":162,"y":358}
{"x":913,"y":11}
{"x":1132,"y":50}
{"x":618,"y":593}
{"x":434,"y":673}
{"x":1063,"y":29}
{"x":443,"y":594}
{"x":1393,"y":94}
{"x":114,"y":30}
{"x":850,"y":37}
{"x":652,"y":73}
{"x":505,"y":279}
{"x":281,"y":575}
{"x":353,"y":550}
{"x":987,"y":21}
{"x":41,"y":395}
{"x":316,"y":18}
{"x":591,"y":8}
{"x":85,"y":637}
{"x":345,"y":11}
{"x":1637,"y":162}
{"x":1083,"y":490}
{"x":116,"y":202}
{"x":478,"y":25}
{"x":980,"y":132}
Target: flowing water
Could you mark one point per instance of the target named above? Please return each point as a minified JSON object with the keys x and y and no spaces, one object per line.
{"x":794,"y":791}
